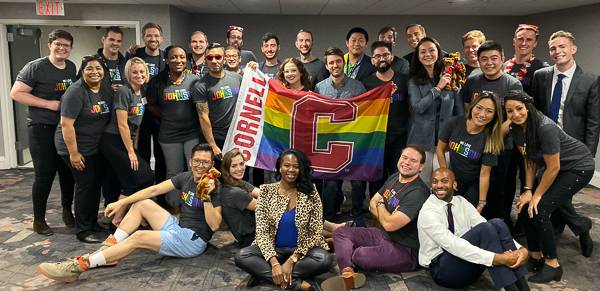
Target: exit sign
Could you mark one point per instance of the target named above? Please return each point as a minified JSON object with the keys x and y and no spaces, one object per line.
{"x":50,"y":8}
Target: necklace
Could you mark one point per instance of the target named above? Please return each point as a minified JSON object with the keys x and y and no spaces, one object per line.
{"x":497,"y":87}
{"x":523,"y":69}
{"x":179,"y":81}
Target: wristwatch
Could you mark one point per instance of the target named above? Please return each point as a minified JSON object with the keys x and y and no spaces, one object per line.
{"x":378,"y":203}
{"x":482,"y":202}
{"x":294,"y":259}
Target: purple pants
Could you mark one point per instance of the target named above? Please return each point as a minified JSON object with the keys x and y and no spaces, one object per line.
{"x":368,"y":249}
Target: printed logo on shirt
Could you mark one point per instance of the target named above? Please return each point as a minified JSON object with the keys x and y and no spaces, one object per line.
{"x":101,"y":108}
{"x":115,"y":74}
{"x":464,"y":149}
{"x":198,"y":73}
{"x":178,"y":95}
{"x":391,"y":198}
{"x":225,"y":92}
{"x":538,"y":154}
{"x":62,"y":86}
{"x":137,"y":110}
{"x":397,"y":97}
{"x":152,"y":69}
{"x":190,"y":199}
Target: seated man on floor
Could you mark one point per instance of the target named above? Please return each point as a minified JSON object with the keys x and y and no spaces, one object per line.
{"x":394,"y":247}
{"x":458,"y":244}
{"x":185,"y":238}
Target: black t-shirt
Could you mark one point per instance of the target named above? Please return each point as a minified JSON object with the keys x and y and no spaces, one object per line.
{"x":270,"y":71}
{"x":192,"y":208}
{"x":115,"y":74}
{"x":466,"y":150}
{"x":574,"y":155}
{"x":179,"y":122}
{"x":478,"y":83}
{"x":221,"y":95}
{"x":528,"y":79}
{"x":155,"y":63}
{"x":247,"y":56}
{"x":191,"y":67}
{"x":409,"y":200}
{"x":398,"y":114}
{"x":317,"y":71}
{"x":126,"y":99}
{"x":234,"y":201}
{"x":48,"y":83}
{"x":91,"y":112}
{"x":471,"y":70}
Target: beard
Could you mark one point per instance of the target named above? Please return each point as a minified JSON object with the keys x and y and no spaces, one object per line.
{"x":384,"y":68}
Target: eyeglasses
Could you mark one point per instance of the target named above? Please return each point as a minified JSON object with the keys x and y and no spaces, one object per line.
{"x":196,"y":162}
{"x":231,"y":56}
{"x":383,"y":56}
{"x":528,"y":26}
{"x":213,"y":56}
{"x":233,"y":37}
{"x":64,"y":45}
{"x":238,"y":28}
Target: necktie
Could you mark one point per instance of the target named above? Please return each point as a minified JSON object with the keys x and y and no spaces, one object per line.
{"x":450,"y":218}
{"x":556,"y":97}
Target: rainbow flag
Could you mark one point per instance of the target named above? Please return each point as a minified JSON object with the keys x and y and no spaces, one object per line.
{"x":344,"y":138}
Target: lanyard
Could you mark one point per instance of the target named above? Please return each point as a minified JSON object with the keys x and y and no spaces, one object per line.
{"x":393,"y":184}
{"x":351,"y":68}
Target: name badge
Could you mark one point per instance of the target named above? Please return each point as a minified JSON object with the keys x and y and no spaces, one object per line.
{"x":144,"y":101}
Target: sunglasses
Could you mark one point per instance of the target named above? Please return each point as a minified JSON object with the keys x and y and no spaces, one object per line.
{"x":238,"y":28}
{"x":528,"y":26}
{"x":213,"y":56}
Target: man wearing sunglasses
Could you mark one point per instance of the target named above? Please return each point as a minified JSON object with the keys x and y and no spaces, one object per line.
{"x":215,"y":97}
{"x":235,"y":38}
{"x":195,"y":60}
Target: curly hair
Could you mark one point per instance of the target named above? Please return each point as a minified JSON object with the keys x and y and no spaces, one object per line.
{"x":305,"y":183}
{"x":225,"y":170}
{"x":280,"y":78}
{"x":534,"y":119}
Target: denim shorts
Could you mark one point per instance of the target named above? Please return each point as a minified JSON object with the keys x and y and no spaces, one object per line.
{"x":179,"y":242}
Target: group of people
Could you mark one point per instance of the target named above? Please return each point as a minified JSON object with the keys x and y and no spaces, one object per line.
{"x":98,"y":129}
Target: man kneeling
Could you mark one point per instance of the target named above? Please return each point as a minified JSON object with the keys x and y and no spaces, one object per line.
{"x":457,"y":243}
{"x":394,"y":247}
{"x":185,"y":238}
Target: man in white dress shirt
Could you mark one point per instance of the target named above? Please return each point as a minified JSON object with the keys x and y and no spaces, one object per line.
{"x":457,"y":244}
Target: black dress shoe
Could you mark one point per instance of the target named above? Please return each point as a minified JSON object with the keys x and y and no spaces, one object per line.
{"x":534,"y":265}
{"x":314,"y":286}
{"x":253,"y":281}
{"x":90,"y":238}
{"x":547,"y":274}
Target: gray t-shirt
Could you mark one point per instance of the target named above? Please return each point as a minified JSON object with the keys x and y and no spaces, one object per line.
{"x":179,"y":122}
{"x":478,"y":83}
{"x":234,"y":201}
{"x":247,"y":56}
{"x":466,"y":150}
{"x":317,"y":71}
{"x":399,"y":103}
{"x":471,"y":70}
{"x":192,"y":208}
{"x":221,"y":95}
{"x":400,"y":65}
{"x":126,"y":99}
{"x":91,"y":112}
{"x":574,"y":155}
{"x":48,"y":83}
{"x":270,"y":71}
{"x":407,"y":198}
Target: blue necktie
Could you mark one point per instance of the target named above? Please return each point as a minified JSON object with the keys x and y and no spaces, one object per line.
{"x":556,"y":97}
{"x":450,"y":218}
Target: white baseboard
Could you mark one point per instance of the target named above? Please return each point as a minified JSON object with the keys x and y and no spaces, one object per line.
{"x":595,"y":179}
{"x":3,"y":165}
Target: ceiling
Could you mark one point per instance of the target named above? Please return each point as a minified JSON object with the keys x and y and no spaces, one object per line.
{"x":356,"y":7}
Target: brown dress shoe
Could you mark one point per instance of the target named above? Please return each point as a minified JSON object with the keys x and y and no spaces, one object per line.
{"x":40,"y":226}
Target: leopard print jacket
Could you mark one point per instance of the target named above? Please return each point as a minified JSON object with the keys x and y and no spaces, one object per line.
{"x":269,"y":210}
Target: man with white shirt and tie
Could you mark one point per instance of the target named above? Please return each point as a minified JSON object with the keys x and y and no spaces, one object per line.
{"x":457,"y":244}
{"x":571,"y":97}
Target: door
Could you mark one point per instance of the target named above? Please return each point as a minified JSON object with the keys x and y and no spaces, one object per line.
{"x":23,"y":46}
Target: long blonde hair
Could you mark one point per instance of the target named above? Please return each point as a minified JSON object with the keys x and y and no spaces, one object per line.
{"x":493,"y":130}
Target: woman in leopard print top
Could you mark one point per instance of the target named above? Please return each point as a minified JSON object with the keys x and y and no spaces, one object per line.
{"x":289,"y":220}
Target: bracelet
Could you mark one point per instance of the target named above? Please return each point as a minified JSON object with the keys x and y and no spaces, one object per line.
{"x":273,"y":266}
{"x":378,"y":203}
{"x":438,"y":89}
{"x":482,"y":202}
{"x":527,"y":188}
